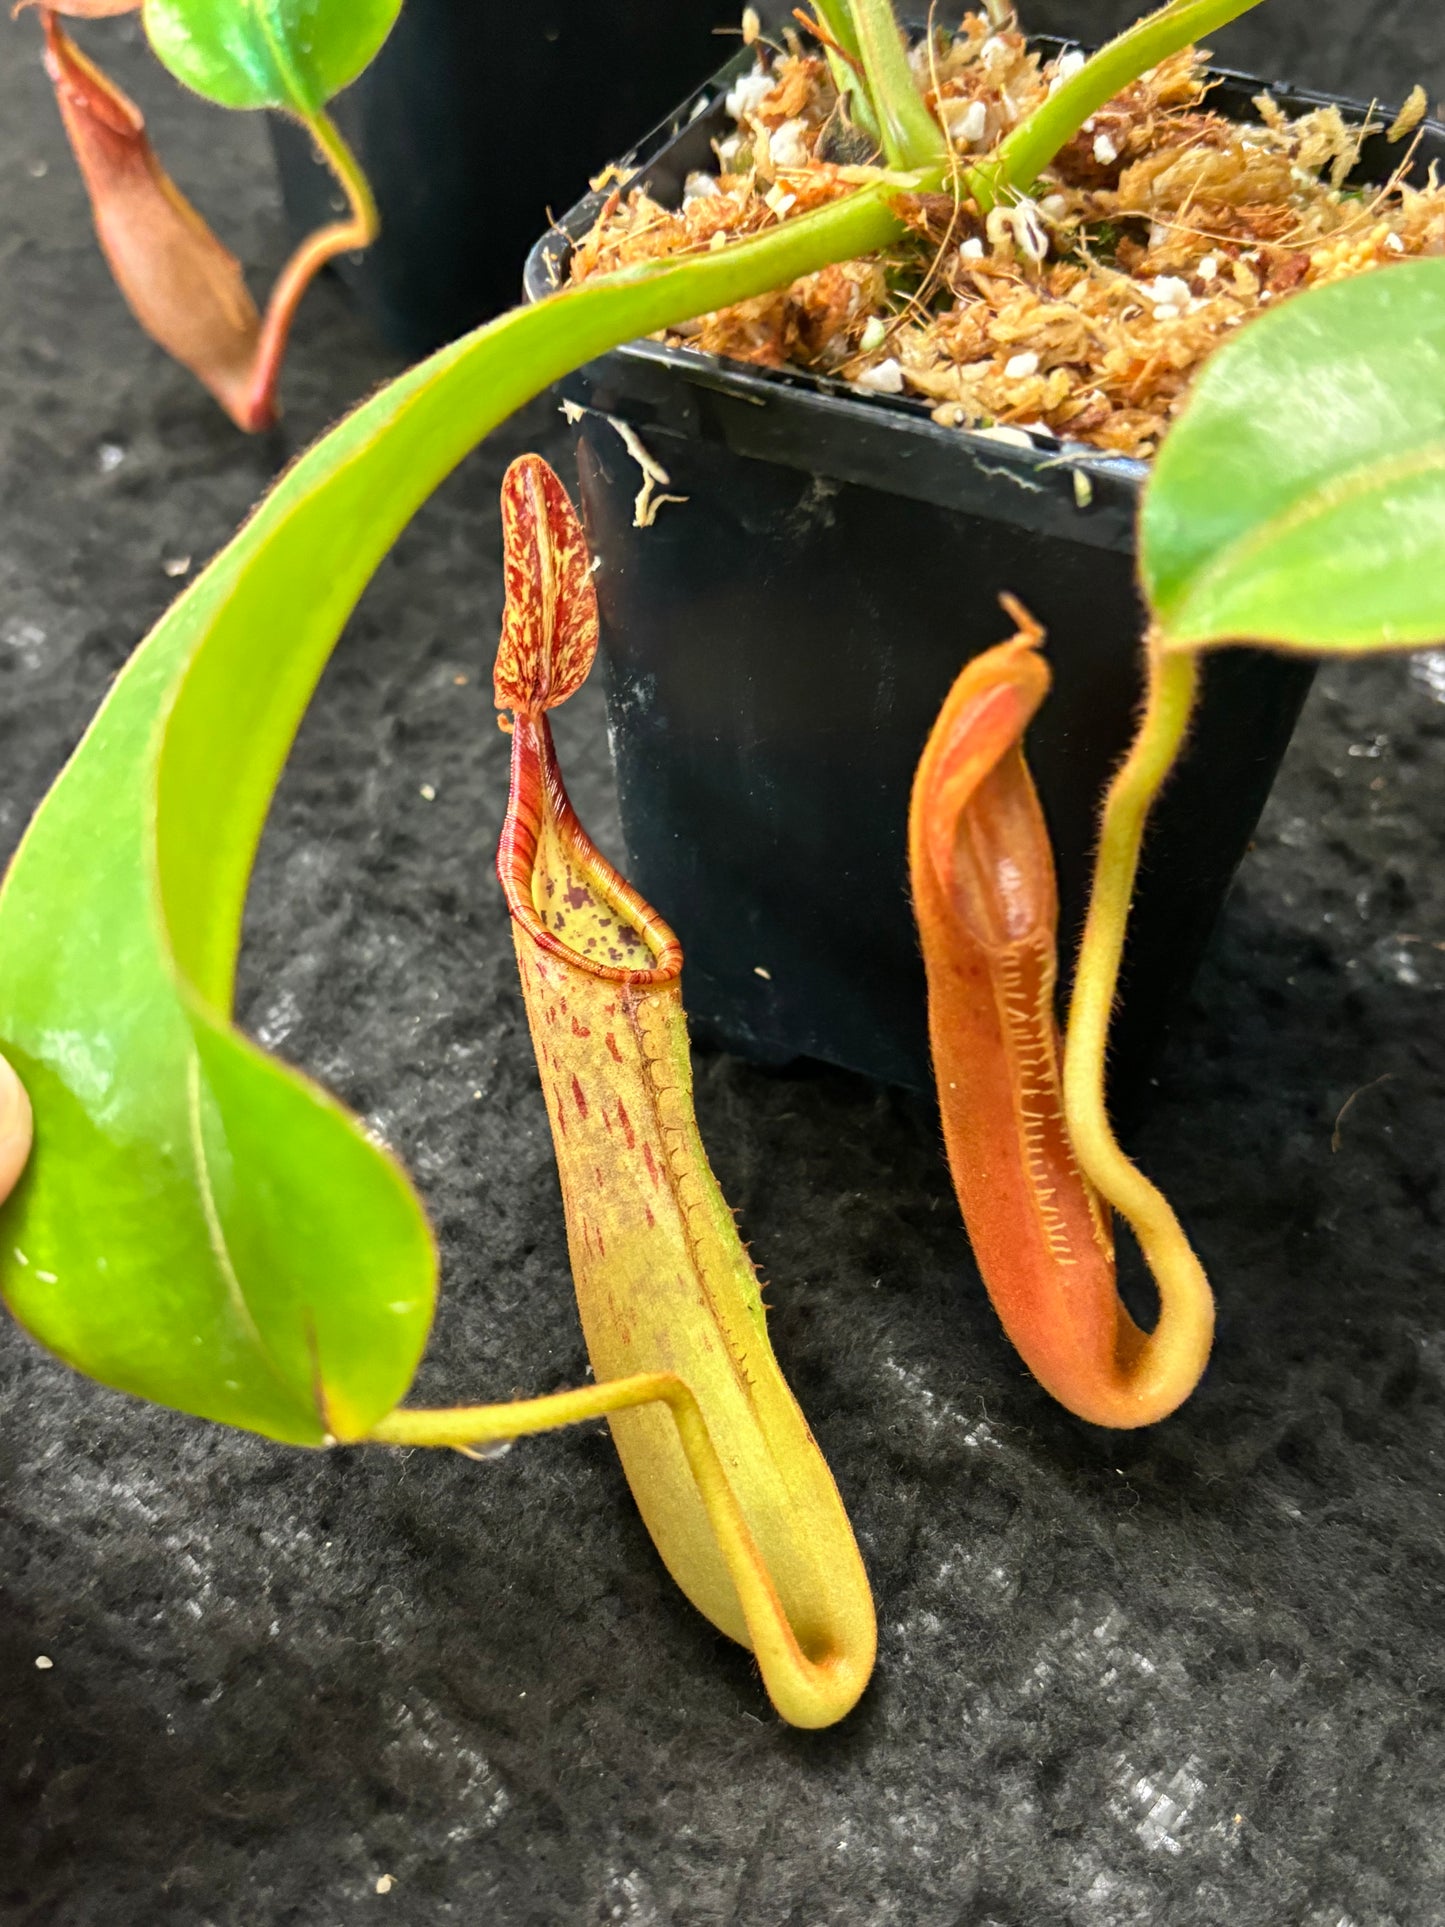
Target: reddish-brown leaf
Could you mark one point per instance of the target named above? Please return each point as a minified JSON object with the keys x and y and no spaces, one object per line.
{"x":80,"y":9}
{"x":549,"y":628}
{"x":184,"y":288}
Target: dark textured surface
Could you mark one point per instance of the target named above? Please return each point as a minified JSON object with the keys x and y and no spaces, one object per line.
{"x":1188,"y":1677}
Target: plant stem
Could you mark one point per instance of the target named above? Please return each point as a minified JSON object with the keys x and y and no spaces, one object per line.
{"x":911,"y":136}
{"x":463,"y":1426}
{"x":358,"y":230}
{"x":1176,"y":1349}
{"x":808,"y":1689}
{"x":347,"y":169}
{"x":837,"y":17}
{"x":1034,"y":142}
{"x":845,"y":62}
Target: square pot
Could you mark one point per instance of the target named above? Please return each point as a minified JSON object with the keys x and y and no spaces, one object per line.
{"x":473,"y":123}
{"x":777,"y":646}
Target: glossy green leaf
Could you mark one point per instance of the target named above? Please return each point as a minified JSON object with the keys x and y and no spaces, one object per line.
{"x":292,"y":54}
{"x":199,"y":1224}
{"x":1300,"y":498}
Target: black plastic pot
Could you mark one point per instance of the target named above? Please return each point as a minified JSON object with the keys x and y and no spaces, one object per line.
{"x":474,"y":123}
{"x":777,"y":646}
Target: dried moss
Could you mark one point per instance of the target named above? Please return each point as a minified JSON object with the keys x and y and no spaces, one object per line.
{"x":1158,"y":230}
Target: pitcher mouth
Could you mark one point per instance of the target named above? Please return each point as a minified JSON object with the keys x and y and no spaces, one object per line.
{"x":559,"y":887}
{"x":575,"y":906}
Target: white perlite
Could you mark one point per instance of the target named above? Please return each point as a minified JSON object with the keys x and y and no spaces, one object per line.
{"x":748,"y":93}
{"x":884,"y":379}
{"x":789,"y":145}
{"x":966,"y":121}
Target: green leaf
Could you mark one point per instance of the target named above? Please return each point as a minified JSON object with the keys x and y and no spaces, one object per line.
{"x":1300,"y":498}
{"x":199,"y":1224}
{"x":292,"y":54}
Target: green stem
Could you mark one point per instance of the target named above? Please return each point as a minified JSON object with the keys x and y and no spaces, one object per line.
{"x":1186,"y":1307}
{"x":911,"y":136}
{"x":1169,"y":702}
{"x":837,"y":17}
{"x":811,"y":1689}
{"x":358,"y":230}
{"x":347,"y":169}
{"x":1034,"y":142}
{"x":462,"y":1426}
{"x":845,"y":63}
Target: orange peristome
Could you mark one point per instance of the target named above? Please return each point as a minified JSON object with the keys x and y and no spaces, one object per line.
{"x":664,"y":1284}
{"x":987,"y":909}
{"x":183,"y":287}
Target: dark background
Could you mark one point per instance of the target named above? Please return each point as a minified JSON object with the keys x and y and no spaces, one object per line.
{"x":1190,"y":1676}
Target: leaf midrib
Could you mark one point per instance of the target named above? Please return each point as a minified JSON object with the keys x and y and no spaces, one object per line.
{"x":235,"y":1291}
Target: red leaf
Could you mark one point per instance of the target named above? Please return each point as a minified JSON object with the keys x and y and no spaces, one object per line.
{"x":183,"y":287}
